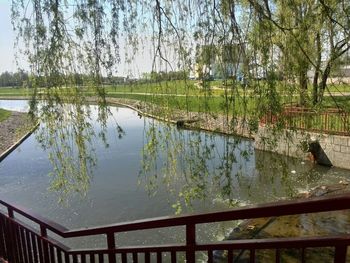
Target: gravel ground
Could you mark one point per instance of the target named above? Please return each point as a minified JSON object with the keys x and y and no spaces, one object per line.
{"x":12,"y":129}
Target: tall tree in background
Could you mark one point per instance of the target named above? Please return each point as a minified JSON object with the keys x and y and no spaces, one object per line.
{"x":311,"y":35}
{"x":336,"y":39}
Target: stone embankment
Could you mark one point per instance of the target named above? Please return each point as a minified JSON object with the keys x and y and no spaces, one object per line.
{"x":296,"y":143}
{"x":286,"y":142}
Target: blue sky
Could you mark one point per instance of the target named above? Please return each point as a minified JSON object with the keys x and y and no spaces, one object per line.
{"x":142,"y":62}
{"x":7,"y":52}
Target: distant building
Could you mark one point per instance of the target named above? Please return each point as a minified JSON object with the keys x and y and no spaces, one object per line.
{"x":219,"y":62}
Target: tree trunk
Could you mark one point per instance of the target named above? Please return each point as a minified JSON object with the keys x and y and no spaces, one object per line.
{"x":303,"y":87}
{"x":315,"y":88}
{"x":323,"y":83}
{"x":317,"y":70}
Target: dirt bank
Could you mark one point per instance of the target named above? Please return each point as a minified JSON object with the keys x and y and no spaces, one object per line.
{"x":13,"y":129}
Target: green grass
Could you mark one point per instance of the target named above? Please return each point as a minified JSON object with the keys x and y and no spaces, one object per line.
{"x":217,"y":104}
{"x":339,"y":88}
{"x":14,"y":92}
{"x":190,"y":96}
{"x":164,"y":87}
{"x":4,"y":114}
{"x":337,"y":101}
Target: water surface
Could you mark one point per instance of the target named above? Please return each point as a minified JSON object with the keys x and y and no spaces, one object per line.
{"x":153,"y":170}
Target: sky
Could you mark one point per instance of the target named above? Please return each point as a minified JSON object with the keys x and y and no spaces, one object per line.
{"x":7,"y":38}
{"x":141,"y":64}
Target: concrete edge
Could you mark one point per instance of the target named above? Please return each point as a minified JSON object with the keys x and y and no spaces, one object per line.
{"x":16,"y":144}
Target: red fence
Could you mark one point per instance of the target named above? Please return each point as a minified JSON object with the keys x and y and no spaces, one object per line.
{"x":332,"y":121}
{"x":22,"y":243}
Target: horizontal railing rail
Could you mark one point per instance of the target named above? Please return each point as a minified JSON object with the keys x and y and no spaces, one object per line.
{"x":332,"y":121}
{"x":22,"y":243}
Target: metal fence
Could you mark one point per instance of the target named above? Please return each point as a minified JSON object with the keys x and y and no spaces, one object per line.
{"x":330,"y":121}
{"x":20,"y":242}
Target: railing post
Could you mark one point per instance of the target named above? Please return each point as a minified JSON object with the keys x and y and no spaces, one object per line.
{"x":340,"y":254}
{"x":45,"y":246}
{"x":190,"y":243}
{"x":111,"y":247}
{"x":10,"y":233}
{"x":10,"y":212}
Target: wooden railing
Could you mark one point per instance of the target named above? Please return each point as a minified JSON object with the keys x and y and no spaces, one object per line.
{"x":23,"y":242}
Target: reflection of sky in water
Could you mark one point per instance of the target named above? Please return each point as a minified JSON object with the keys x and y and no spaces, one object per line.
{"x":18,"y":105}
{"x":118,"y":190}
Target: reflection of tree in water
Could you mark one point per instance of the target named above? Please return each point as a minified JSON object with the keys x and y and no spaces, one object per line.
{"x":67,"y":134}
{"x":283,"y":177}
{"x":193,"y":165}
{"x":196,"y":166}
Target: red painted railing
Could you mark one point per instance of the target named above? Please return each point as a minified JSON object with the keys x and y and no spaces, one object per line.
{"x":20,"y":242}
{"x":331,"y":121}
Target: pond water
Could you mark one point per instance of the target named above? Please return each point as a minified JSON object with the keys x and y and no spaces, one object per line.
{"x":153,"y":169}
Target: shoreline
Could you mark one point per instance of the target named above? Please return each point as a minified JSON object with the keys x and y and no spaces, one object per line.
{"x":216,"y":123}
{"x":13,"y":131}
{"x":288,"y":142}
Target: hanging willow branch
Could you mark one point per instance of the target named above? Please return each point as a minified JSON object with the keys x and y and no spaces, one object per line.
{"x":260,"y":50}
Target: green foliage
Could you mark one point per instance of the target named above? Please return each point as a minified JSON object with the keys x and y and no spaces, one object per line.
{"x":18,"y":79}
{"x":183,"y":162}
{"x":4,"y":114}
{"x":262,"y":50}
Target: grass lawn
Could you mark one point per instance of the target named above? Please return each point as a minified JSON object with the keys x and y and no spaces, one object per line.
{"x":10,"y":92}
{"x":251,"y":101}
{"x":190,"y":95}
{"x":163,"y":87}
{"x":337,"y":101}
{"x":4,"y":114}
{"x":217,"y":104}
{"x":339,"y":87}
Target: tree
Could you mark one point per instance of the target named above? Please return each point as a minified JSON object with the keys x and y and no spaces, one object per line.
{"x":312,"y":35}
{"x":338,"y":33}
{"x":17,"y":79}
{"x":279,"y":43}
